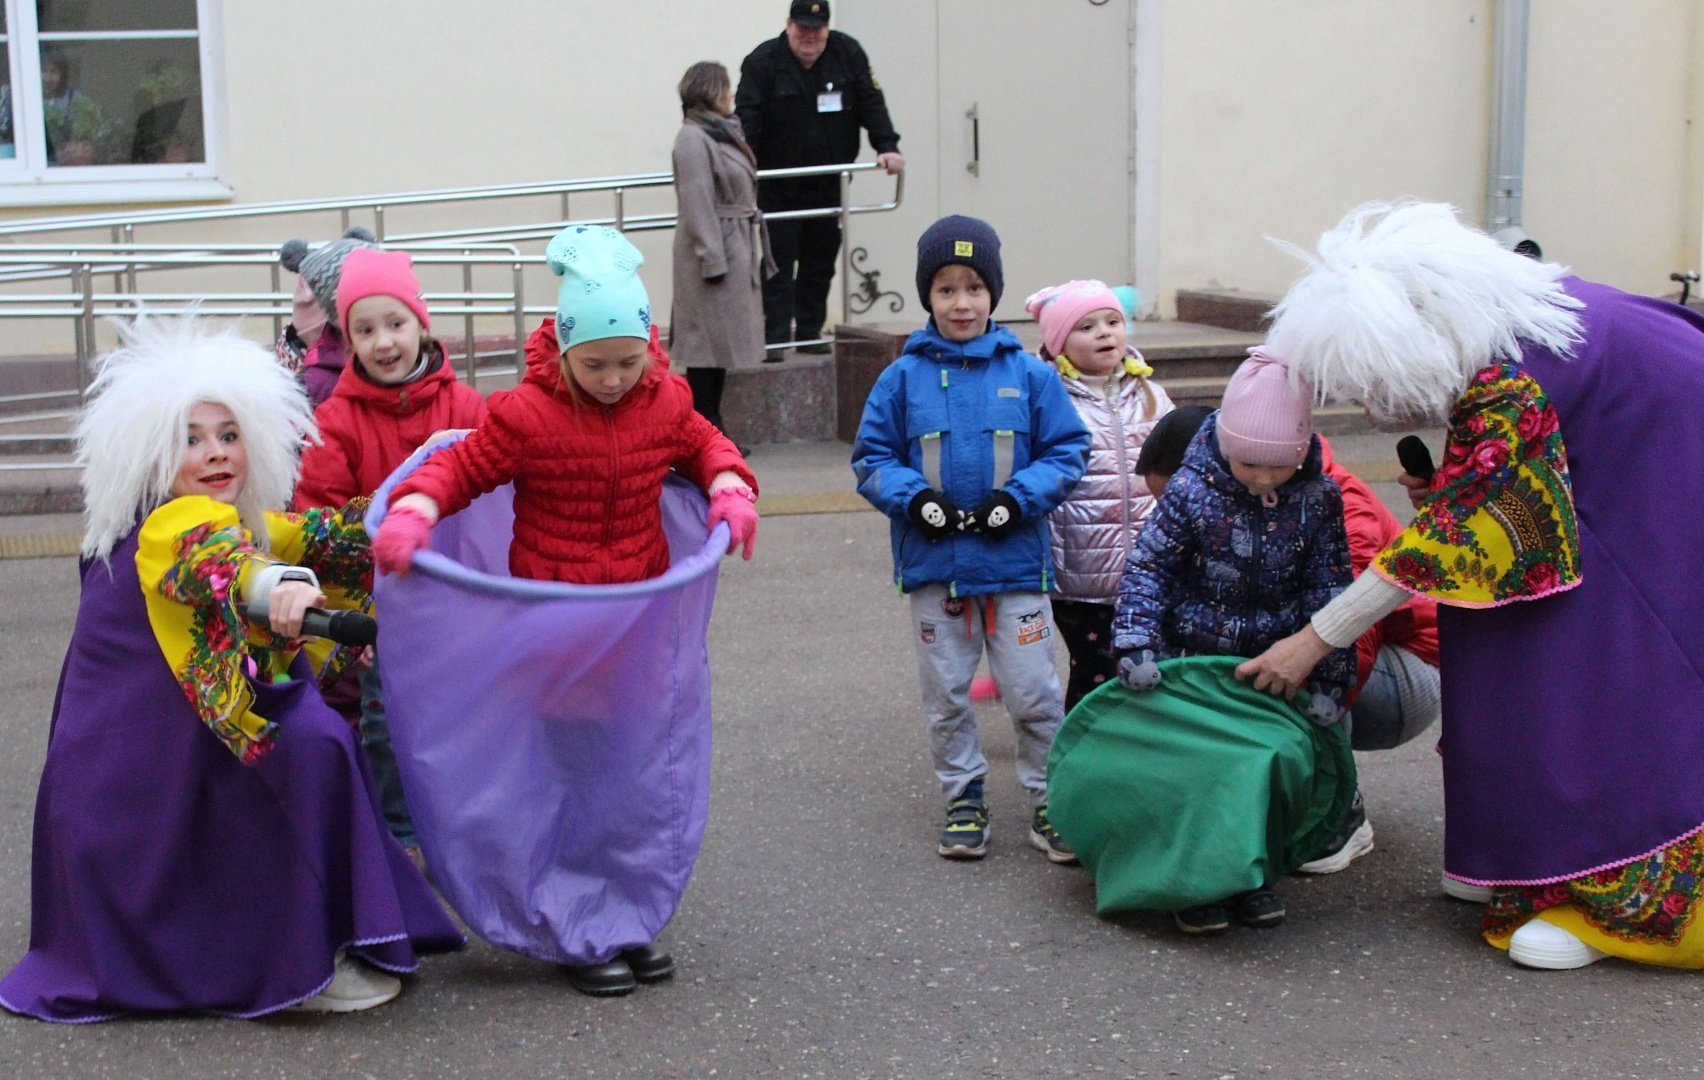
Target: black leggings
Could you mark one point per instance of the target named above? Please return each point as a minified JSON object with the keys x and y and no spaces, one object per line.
{"x":1087,"y":630}
{"x":706,"y":384}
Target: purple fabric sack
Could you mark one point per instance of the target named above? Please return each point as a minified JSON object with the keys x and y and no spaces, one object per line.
{"x":554,"y":739}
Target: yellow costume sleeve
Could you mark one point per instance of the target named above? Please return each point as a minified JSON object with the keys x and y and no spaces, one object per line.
{"x":1499,"y":524}
{"x":193,"y":558}
{"x":335,"y":546}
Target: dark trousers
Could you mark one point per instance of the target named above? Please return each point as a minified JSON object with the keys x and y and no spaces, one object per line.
{"x":1087,"y":630}
{"x":707,"y":384}
{"x":796,"y":298}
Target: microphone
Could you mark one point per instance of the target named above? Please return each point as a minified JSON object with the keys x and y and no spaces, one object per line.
{"x":1416,"y":459}
{"x":343,"y":627}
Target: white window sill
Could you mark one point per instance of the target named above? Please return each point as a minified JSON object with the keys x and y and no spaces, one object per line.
{"x":57,"y":192}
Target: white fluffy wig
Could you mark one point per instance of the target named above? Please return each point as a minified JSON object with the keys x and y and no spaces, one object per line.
{"x":1404,"y":303}
{"x":133,"y":432}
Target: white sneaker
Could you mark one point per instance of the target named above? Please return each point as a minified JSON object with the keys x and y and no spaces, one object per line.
{"x":1359,"y":843}
{"x":1540,"y":944}
{"x":1461,"y":890}
{"x":354,"y":986}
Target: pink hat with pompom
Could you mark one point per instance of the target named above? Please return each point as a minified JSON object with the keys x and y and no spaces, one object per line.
{"x":1059,"y":308}
{"x":1267,"y":415}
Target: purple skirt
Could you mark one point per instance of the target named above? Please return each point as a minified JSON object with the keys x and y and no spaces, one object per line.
{"x":167,"y":876}
{"x":1574,"y":725}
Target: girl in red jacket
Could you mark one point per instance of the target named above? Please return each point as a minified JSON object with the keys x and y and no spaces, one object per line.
{"x":397,"y":390}
{"x":586,"y":439}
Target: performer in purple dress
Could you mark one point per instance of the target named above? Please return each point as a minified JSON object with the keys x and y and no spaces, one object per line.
{"x":207,"y":837}
{"x":1559,"y":535}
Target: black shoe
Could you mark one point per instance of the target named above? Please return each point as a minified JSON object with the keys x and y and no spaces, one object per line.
{"x":1261,"y":909}
{"x":649,"y":962}
{"x":774,"y":354}
{"x":602,"y":980}
{"x":817,"y":348}
{"x":1203,"y":920}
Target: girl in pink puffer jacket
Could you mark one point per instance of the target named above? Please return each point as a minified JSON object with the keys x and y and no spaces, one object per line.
{"x":1084,"y":334}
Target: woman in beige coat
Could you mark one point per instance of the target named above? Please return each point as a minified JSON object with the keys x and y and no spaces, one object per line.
{"x":721,"y":249}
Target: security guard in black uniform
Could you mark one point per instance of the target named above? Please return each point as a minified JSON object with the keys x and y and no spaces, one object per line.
{"x":802,"y":98}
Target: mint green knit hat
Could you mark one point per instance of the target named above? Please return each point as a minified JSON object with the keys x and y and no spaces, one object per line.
{"x":601,"y":295}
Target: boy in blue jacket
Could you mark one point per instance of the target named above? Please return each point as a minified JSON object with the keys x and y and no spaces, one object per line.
{"x":967,"y":443}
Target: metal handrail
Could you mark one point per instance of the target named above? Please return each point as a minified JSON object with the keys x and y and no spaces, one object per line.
{"x":124,"y":258}
{"x":125,"y":224}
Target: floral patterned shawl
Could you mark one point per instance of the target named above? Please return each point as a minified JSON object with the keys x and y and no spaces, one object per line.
{"x":1499,"y":524}
{"x":193,"y":558}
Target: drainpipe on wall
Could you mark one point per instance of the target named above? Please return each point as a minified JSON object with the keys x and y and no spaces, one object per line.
{"x":1508,"y":127}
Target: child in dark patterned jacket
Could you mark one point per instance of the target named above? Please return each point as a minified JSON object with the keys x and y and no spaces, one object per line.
{"x":1246,"y":543}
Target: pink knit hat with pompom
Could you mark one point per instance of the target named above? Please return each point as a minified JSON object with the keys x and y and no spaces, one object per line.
{"x":1267,"y":416}
{"x":1058,"y":309}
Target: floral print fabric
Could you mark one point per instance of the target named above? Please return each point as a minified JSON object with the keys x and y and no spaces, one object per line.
{"x":192,"y":557}
{"x":1499,"y":525}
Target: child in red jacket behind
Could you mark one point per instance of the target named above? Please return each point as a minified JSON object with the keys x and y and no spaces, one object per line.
{"x":397,"y":390}
{"x":587,"y":439}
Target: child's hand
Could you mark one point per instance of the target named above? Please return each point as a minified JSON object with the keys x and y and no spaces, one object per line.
{"x":736,"y":505}
{"x":996,"y":517}
{"x":1138,"y":671}
{"x":286,"y":604}
{"x":405,"y":531}
{"x":934,"y":515}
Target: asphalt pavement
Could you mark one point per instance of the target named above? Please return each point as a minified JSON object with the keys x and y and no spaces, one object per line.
{"x":823,"y":937}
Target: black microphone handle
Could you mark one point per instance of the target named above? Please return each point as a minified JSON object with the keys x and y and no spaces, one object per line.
{"x":1415,"y":457}
{"x":343,"y":627}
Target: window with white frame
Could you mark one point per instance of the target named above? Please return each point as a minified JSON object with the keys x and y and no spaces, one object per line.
{"x":106,"y":100}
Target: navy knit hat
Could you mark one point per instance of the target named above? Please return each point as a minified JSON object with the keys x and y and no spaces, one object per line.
{"x":968,"y":241}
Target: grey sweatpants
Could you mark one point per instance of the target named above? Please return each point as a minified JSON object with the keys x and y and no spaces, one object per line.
{"x":1401,"y":699}
{"x":949,"y":635}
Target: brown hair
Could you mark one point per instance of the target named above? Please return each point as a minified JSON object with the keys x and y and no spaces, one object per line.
{"x":703,"y":85}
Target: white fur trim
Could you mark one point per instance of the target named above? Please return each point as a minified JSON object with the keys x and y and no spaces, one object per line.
{"x":1404,"y":303}
{"x":131,"y":437}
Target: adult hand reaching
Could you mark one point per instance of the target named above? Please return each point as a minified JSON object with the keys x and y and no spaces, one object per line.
{"x":1284,"y":668}
{"x":893,"y":161}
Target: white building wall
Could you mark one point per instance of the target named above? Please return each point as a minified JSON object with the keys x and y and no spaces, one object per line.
{"x":1274,"y":117}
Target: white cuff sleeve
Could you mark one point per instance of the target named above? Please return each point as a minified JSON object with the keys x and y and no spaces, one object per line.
{"x":1358,"y":609}
{"x":267,"y":578}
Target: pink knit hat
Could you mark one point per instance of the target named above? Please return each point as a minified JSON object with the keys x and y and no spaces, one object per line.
{"x":370,"y":272}
{"x":1267,"y":416}
{"x":305,"y":313}
{"x":1059,"y":308}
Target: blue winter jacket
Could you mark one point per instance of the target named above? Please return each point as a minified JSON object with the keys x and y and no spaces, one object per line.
{"x":965,"y":419}
{"x":1215,"y":572}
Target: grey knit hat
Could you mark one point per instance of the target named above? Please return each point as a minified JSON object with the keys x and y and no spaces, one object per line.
{"x":322,"y":268}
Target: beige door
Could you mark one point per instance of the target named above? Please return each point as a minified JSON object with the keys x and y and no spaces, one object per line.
{"x":1035,"y":135}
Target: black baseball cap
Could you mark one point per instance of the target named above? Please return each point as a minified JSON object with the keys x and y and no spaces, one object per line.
{"x":812,"y":13}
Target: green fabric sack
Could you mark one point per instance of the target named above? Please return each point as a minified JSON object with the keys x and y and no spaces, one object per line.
{"x":1197,"y":790}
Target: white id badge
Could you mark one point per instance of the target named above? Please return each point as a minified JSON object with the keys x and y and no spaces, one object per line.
{"x":829,"y":102}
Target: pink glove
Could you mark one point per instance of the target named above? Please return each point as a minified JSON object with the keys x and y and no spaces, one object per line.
{"x":736,"y":506}
{"x":405,"y":531}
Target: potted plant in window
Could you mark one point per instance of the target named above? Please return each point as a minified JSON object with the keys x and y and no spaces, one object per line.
{"x":170,"y":120}
{"x":76,"y":129}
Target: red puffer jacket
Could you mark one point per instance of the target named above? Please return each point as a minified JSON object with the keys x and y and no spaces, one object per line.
{"x":1414,"y":625}
{"x":588,"y":477}
{"x":370,"y":429}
